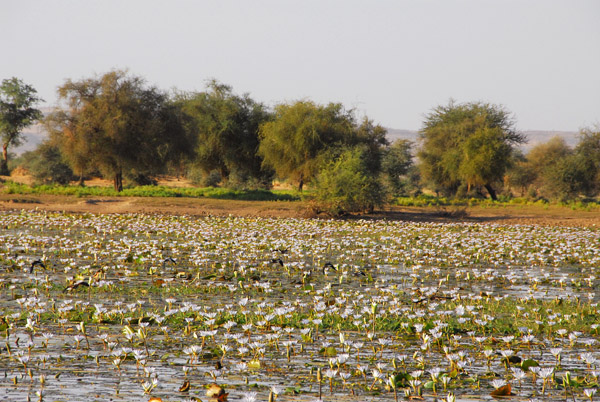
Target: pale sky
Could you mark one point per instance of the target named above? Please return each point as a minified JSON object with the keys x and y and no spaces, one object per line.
{"x":390,"y":60}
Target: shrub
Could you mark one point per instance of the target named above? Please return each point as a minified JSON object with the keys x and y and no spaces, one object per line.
{"x":345,"y":185}
{"x":212,"y":179}
{"x":47,"y":165}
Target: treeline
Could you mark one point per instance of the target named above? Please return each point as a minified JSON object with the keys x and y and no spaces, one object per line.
{"x":118,"y":127}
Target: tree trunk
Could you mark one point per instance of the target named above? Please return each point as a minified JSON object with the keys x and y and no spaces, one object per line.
{"x":81,"y":182}
{"x":301,"y":183}
{"x":4,"y":163}
{"x":492,"y":192}
{"x":118,"y":182}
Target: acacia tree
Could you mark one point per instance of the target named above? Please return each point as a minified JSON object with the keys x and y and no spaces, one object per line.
{"x":564,"y":173}
{"x":225,"y":128}
{"x":16,"y":112}
{"x":373,"y":139}
{"x":64,"y":131}
{"x":588,"y":151}
{"x":468,"y":145}
{"x":116,"y":124}
{"x":293,"y":142}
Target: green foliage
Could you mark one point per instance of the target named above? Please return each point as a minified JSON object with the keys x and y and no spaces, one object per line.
{"x":292,"y":143}
{"x":373,"y":139}
{"x":468,"y":145}
{"x":47,"y":164}
{"x":153,"y":191}
{"x":346,"y":184}
{"x":16,"y":112}
{"x":225,"y":128}
{"x":569,"y":177}
{"x":555,"y":171}
{"x":520,"y":175}
{"x":116,"y":124}
{"x":424,"y":200}
{"x":541,"y":160}
{"x":588,"y":151}
{"x":397,"y":162}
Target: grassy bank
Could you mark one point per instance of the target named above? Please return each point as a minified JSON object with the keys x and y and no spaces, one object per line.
{"x":153,"y":191}
{"x":433,"y":201}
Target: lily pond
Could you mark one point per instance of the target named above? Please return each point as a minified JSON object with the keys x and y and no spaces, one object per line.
{"x":155,"y":307}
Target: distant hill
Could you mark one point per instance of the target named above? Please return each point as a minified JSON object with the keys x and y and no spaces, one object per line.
{"x":534,"y":137}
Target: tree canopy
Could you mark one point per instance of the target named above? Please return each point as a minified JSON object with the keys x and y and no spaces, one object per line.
{"x":554,"y":170}
{"x":292,"y":143}
{"x":347,"y":183}
{"x":17,"y":111}
{"x":225,"y":127}
{"x":467,"y":145}
{"x":396,"y":163}
{"x":118,"y":125}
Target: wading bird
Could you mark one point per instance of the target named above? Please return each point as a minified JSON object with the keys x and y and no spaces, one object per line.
{"x":36,"y":262}
{"x":168,"y":259}
{"x":75,"y":285}
{"x":328,"y":267}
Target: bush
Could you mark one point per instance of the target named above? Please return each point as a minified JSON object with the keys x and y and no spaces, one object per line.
{"x":194,"y":175}
{"x":141,"y":179}
{"x":345,"y":185}
{"x":212,"y":179}
{"x":47,"y":165}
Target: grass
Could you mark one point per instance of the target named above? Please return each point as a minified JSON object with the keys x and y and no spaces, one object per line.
{"x":154,"y":191}
{"x":424,"y":200}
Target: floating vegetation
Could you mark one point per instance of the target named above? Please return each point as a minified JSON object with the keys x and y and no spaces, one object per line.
{"x":176,"y":308}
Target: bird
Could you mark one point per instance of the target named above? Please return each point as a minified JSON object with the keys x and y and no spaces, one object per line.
{"x":356,"y":271}
{"x":75,"y":285}
{"x":277,"y":261}
{"x":36,"y":262}
{"x":168,"y":259}
{"x":328,"y":267}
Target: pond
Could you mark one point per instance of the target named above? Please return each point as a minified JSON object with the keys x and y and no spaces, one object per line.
{"x":132,"y":307}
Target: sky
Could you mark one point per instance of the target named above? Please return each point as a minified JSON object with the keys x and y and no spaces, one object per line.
{"x":392,"y":61}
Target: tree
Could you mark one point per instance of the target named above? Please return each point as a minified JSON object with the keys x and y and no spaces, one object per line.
{"x":16,"y":112}
{"x":541,"y":164}
{"x":556,"y":171}
{"x":396,"y":164}
{"x":116,"y":124}
{"x":63,"y":129}
{"x":373,"y":137}
{"x":520,"y":175}
{"x":588,"y":150}
{"x":568,"y":178}
{"x":467,"y":145}
{"x":225,"y":127}
{"x":293,"y":143}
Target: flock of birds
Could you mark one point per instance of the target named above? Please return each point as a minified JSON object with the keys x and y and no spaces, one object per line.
{"x":326,"y":269}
